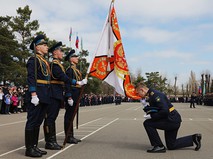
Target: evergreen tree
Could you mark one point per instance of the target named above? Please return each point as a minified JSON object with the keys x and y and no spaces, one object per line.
{"x":23,"y":28}
{"x":156,"y":81}
{"x":8,"y":47}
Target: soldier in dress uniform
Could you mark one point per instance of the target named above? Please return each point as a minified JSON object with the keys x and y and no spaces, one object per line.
{"x":38,"y":79}
{"x":74,"y":74}
{"x":164,"y":117}
{"x":59,"y":81}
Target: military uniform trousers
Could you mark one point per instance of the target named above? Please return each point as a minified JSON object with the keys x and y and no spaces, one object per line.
{"x":52,"y":111}
{"x":70,"y":109}
{"x":35,"y":115}
{"x":170,"y":133}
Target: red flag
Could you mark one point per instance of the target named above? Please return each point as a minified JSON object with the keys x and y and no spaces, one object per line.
{"x":109,"y":63}
{"x":76,"y":42}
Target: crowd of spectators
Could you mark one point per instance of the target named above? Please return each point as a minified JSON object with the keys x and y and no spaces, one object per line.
{"x":92,"y":99}
{"x":14,"y":99}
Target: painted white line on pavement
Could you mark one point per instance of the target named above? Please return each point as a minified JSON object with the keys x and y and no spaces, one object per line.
{"x":6,"y":153}
{"x":13,"y":123}
{"x":59,"y":152}
{"x":132,"y":108}
{"x":138,"y":108}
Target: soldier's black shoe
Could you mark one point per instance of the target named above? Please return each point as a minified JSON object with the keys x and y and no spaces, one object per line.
{"x":72,"y":140}
{"x":52,"y":146}
{"x":157,"y":149}
{"x":40,"y":151}
{"x":78,"y":140}
{"x":197,"y":140}
{"x":31,"y":152}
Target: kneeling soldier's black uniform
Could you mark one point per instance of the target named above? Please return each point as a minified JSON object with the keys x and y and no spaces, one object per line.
{"x":166,"y":118}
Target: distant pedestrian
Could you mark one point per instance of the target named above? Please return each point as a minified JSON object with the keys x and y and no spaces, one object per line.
{"x":1,"y":97}
{"x":7,"y":100}
{"x":14,"y":101}
{"x":192,"y":100}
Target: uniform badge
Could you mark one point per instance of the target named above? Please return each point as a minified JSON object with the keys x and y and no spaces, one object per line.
{"x":158,"y":99}
{"x":152,"y":93}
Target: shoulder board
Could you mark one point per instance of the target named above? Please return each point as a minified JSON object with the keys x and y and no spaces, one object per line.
{"x":55,"y":61}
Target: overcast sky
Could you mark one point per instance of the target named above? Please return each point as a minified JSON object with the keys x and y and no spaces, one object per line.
{"x":169,"y":36}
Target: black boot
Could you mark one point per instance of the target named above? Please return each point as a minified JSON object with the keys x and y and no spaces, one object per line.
{"x":197,"y":140}
{"x":29,"y":143}
{"x":50,"y":138}
{"x":70,"y":138}
{"x":36,"y":134}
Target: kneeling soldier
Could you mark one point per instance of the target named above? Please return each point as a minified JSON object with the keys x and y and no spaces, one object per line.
{"x":162,"y":115}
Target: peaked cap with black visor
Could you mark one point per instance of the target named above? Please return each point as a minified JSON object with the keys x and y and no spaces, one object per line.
{"x":70,"y":54}
{"x":55,"y":47}
{"x":38,"y":40}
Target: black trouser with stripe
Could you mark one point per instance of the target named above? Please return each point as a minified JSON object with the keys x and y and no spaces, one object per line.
{"x":170,"y":133}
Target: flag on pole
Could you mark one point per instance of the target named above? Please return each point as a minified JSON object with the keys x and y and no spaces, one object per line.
{"x":204,"y":88}
{"x":200,"y":90}
{"x":81,"y":43}
{"x":76,"y":42}
{"x":109,"y":62}
{"x":70,"y":35}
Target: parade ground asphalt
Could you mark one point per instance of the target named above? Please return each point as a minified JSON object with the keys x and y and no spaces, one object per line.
{"x":111,"y":132}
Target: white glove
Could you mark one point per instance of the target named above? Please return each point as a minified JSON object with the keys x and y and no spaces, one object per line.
{"x":147,"y":116}
{"x":83,"y":82}
{"x":143,"y":102}
{"x":70,"y":102}
{"x":35,"y":100}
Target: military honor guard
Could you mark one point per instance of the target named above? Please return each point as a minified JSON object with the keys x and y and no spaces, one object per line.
{"x":74,"y":74}
{"x":60,"y":84}
{"x":38,"y":79}
{"x":161,"y":114}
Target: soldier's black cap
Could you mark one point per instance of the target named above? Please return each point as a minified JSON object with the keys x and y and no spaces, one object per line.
{"x":70,"y":54}
{"x":38,"y":40}
{"x":55,"y":47}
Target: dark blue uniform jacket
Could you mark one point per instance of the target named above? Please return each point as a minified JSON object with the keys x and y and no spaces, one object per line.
{"x":43,"y":73}
{"x":73,"y":73}
{"x":165,"y":109}
{"x":58,"y":77}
